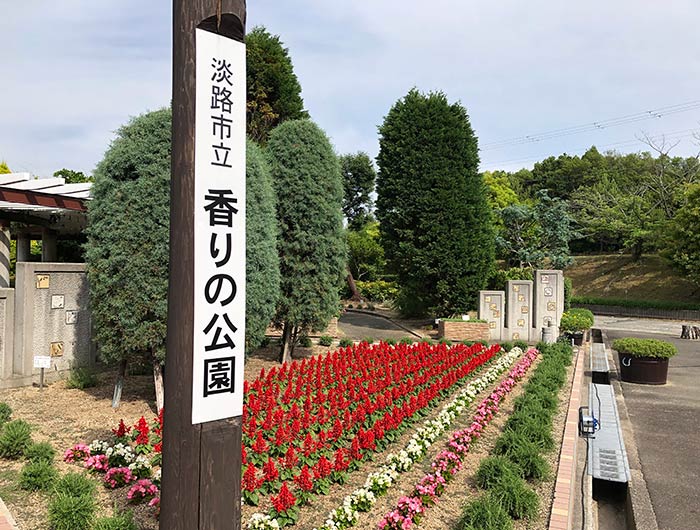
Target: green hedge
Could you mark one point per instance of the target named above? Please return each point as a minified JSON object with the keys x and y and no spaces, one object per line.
{"x":645,"y":347}
{"x":576,"y":321}
{"x":379,"y":291}
{"x":643,"y":304}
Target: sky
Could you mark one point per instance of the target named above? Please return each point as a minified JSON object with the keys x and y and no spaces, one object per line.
{"x":74,"y":71}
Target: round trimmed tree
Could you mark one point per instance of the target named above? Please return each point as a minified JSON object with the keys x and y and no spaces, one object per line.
{"x":432,"y":205}
{"x":262,"y":261}
{"x":311,"y":245}
{"x":128,"y":244}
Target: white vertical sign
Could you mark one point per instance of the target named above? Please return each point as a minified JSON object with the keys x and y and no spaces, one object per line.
{"x":219,"y":228}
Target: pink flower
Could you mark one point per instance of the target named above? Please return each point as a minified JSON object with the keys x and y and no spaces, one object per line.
{"x":98,"y":463}
{"x":76,"y":453}
{"x":118,"y":477}
{"x":142,"y":489}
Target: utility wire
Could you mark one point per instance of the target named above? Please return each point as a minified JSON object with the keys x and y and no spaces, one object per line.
{"x":677,"y":135}
{"x":593,"y":126}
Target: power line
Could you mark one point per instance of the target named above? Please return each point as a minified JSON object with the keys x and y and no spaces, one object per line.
{"x":677,"y":135}
{"x":593,"y":126}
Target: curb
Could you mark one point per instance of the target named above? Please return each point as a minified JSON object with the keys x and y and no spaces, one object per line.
{"x":6,"y":520}
{"x":640,"y":510}
{"x":561,"y":517}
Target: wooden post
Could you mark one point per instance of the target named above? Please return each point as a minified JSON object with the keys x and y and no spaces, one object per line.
{"x":201,"y":462}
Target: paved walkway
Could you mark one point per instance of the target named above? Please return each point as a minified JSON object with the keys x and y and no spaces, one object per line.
{"x":358,"y":326}
{"x":666,"y":423}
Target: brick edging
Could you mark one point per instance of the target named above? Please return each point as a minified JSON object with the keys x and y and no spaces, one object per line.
{"x":561,"y":514}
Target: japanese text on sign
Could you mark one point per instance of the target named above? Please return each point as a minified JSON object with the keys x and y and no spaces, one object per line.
{"x":219,"y":247}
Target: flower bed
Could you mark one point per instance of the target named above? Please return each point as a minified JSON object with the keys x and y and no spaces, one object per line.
{"x":409,"y":509}
{"x":379,"y":482}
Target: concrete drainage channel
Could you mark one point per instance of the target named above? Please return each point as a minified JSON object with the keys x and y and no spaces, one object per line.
{"x":616,"y":496}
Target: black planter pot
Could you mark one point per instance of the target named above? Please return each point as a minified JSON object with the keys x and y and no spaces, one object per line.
{"x":644,"y":370}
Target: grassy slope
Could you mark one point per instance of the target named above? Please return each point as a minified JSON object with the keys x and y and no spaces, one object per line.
{"x":616,"y":276}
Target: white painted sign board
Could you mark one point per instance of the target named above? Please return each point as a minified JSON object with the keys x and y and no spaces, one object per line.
{"x":219,"y":228}
{"x":42,"y":361}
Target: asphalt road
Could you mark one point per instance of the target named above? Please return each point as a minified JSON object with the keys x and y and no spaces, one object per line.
{"x":358,"y":326}
{"x":666,"y":423}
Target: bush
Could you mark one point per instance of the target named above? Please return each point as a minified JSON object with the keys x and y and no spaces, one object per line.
{"x":379,"y":291}
{"x":40,"y":452}
{"x":531,"y":464}
{"x":537,"y":433}
{"x":38,"y":475}
{"x":71,"y":513}
{"x":576,"y":321}
{"x":5,"y":413}
{"x":568,"y":293}
{"x":345,"y":343}
{"x":75,"y":485}
{"x":305,"y":341}
{"x":15,"y":438}
{"x":644,"y":348}
{"x":81,"y":378}
{"x":325,"y":340}
{"x":515,"y":497}
{"x":120,"y":521}
{"x":498,"y":280}
{"x":493,"y":469}
{"x":509,"y":442}
{"x":645,"y":304}
{"x":520,"y":344}
{"x":484,"y":514}
{"x":506,"y":345}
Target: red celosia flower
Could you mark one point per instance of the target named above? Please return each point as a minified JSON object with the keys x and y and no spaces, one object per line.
{"x":290,"y":457}
{"x":270,"y":472}
{"x":303,"y":479}
{"x":121,"y":430}
{"x":339,"y":463}
{"x":285,"y":500}
{"x":250,"y":480}
{"x":322,"y":468}
{"x":260,"y":446}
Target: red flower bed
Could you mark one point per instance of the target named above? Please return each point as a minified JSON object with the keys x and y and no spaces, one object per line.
{"x":309,"y":423}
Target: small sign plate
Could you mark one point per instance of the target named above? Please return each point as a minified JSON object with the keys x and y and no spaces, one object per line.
{"x":43,"y":281}
{"x":58,"y":301}
{"x":56,"y":349}
{"x":71,"y":317}
{"x":42,"y":361}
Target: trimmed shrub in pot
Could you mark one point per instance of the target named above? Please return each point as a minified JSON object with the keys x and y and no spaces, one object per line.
{"x":575,"y":323}
{"x":644,"y":361}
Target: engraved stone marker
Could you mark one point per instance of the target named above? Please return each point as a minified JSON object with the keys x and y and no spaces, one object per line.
{"x":549,"y":299}
{"x":491,"y":309}
{"x":518,"y":309}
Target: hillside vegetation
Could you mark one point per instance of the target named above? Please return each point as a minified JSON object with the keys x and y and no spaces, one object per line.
{"x":618,"y":276}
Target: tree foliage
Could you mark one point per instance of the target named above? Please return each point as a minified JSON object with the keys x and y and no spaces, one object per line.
{"x":128,"y":234}
{"x":311,"y":246}
{"x":358,"y":184}
{"x":262,"y":261}
{"x":73,"y":177}
{"x":685,"y":246}
{"x":4,"y":169}
{"x":274,"y":92}
{"x":365,"y":252}
{"x":128,"y":242}
{"x":431,"y":205}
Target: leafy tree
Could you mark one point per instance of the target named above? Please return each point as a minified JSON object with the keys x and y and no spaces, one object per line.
{"x":519,"y":241}
{"x":431,"y":205}
{"x":274,"y":92}
{"x":73,"y":177}
{"x":3,"y":168}
{"x":262,"y":261}
{"x":536,"y":235}
{"x":500,"y":191}
{"x":358,"y":184}
{"x":366,"y":255}
{"x":311,"y":246}
{"x":127,"y":246}
{"x":555,"y":228}
{"x":685,"y":244}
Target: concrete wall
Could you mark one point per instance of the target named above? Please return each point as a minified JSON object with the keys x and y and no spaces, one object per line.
{"x":7,"y":331}
{"x":51,"y":317}
{"x":549,"y":300}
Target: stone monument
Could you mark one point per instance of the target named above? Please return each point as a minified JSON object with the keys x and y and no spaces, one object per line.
{"x":519,"y":310}
{"x":491,"y":309}
{"x":549,"y":301}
